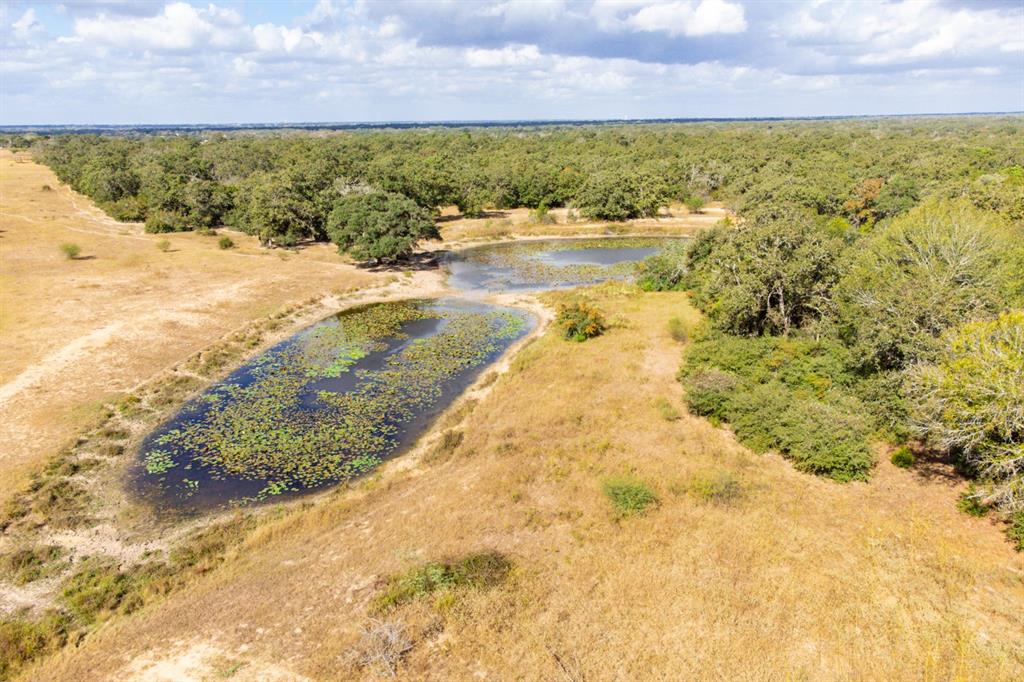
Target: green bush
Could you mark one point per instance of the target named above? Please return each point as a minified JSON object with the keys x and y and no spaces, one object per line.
{"x":663,"y":271}
{"x":163,"y":245}
{"x":970,"y":502}
{"x":70,"y":250}
{"x":825,"y":439}
{"x":628,"y":496}
{"x":708,"y":392}
{"x":481,"y":570}
{"x":1015,"y":531}
{"x":158,"y":222}
{"x":226,"y":243}
{"x":580,"y":321}
{"x":902,"y":457}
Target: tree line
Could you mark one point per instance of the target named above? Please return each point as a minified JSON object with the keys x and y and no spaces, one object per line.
{"x":285,"y":186}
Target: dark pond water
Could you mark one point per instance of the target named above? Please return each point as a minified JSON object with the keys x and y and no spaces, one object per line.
{"x":536,"y":265}
{"x":324,"y":406}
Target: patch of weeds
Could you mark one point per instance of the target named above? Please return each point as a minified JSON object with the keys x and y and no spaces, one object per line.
{"x":28,"y":564}
{"x":970,"y":502}
{"x":720,"y":487}
{"x":23,"y":639}
{"x":666,"y":410}
{"x":383,"y":645}
{"x":97,"y":589}
{"x":481,"y":570}
{"x":225,"y":243}
{"x":902,"y":457}
{"x":677,"y":330}
{"x":70,"y":250}
{"x":163,"y":245}
{"x":61,"y":502}
{"x":629,"y":496}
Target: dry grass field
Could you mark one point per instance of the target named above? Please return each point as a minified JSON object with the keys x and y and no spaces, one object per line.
{"x":744,"y":569}
{"x":784,"y":576}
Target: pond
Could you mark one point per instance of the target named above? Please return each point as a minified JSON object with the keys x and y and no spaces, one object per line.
{"x":336,"y":399}
{"x":539,"y":264}
{"x":324,"y":406}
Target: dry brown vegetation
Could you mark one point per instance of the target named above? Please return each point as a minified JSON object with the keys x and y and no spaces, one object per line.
{"x":794,"y":578}
{"x":744,"y":569}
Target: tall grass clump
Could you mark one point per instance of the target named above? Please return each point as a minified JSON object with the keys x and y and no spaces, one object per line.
{"x":481,"y":570}
{"x":628,"y":496}
{"x":70,"y":250}
{"x":225,"y":243}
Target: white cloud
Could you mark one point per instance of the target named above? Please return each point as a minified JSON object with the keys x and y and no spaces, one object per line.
{"x":687,"y":19}
{"x":179,"y":27}
{"x":512,"y":55}
{"x":26,"y":25}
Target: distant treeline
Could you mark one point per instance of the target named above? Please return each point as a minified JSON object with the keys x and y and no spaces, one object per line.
{"x":284,"y":186}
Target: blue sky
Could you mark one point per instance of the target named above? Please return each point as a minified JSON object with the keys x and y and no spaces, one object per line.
{"x":333,"y":60}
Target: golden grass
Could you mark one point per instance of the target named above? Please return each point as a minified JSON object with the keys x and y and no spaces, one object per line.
{"x":798,"y":578}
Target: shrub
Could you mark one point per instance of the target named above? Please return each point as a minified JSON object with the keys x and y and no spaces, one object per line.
{"x":481,"y":570}
{"x":225,"y":243}
{"x":163,"y":245}
{"x":666,"y":410}
{"x":902,"y":457}
{"x":720,"y":487}
{"x":158,"y":222}
{"x":580,"y":321}
{"x":1015,"y":531}
{"x":708,"y":392}
{"x":621,"y":195}
{"x":677,"y":330}
{"x":70,"y":250}
{"x":628,"y":496}
{"x":969,"y":403}
{"x":542,"y":216}
{"x":695,"y":205}
{"x":818,"y":437}
{"x":47,"y":188}
{"x":970,"y":502}
{"x":663,"y":271}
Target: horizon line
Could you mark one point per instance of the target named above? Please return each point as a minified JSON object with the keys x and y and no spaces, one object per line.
{"x":16,"y":127}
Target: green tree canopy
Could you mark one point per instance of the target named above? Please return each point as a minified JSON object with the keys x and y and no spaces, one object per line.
{"x":932,"y":268}
{"x":379,"y":225}
{"x":971,"y":401}
{"x":768,"y":276}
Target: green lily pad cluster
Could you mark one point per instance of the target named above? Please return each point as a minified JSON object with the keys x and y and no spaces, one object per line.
{"x":287,"y":421}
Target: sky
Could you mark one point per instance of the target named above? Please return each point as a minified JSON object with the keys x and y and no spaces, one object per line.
{"x":119,"y":62}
